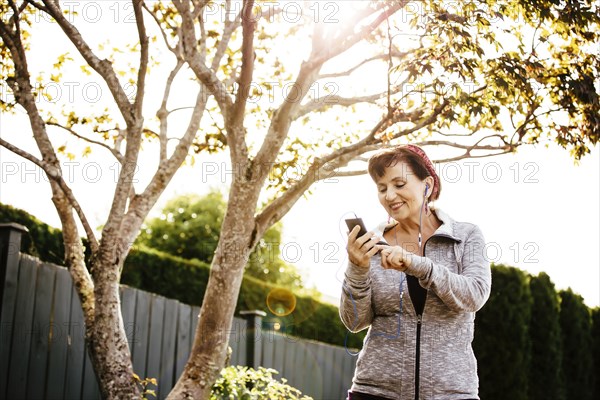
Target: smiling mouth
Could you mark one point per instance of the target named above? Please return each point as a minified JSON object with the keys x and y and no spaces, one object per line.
{"x":396,"y":206}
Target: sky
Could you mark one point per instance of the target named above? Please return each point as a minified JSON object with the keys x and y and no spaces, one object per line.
{"x":537,"y":210}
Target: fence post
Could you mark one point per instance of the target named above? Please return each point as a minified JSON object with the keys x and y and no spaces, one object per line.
{"x":10,"y":247}
{"x":253,"y":336}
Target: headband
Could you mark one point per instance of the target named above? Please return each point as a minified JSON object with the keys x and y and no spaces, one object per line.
{"x":428,"y":164}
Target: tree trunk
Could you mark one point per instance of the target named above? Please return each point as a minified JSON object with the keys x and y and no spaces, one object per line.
{"x":106,"y":339}
{"x":216,"y":315}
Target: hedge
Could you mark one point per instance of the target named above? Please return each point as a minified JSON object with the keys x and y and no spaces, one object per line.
{"x":576,"y":327}
{"x":545,"y":374}
{"x":502,"y":343}
{"x":185,"y":280}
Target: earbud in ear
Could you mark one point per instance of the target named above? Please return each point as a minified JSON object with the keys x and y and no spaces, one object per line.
{"x":426,"y":189}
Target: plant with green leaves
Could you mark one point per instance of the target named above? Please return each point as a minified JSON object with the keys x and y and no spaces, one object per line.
{"x":292,"y":100}
{"x":244,"y":383}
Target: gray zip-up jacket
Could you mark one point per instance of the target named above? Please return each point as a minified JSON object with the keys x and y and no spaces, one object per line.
{"x":457,"y":276}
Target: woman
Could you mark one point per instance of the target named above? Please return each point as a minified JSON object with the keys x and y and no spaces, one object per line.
{"x":418,"y":291}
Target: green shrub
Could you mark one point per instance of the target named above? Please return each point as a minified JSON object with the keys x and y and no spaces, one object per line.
{"x":545,"y":376}
{"x":42,"y":241}
{"x":576,"y":328}
{"x":502,"y":344}
{"x":596,"y":351}
{"x":243,"y":383}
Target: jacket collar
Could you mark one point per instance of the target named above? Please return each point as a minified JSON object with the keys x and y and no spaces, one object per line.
{"x":446,"y":229}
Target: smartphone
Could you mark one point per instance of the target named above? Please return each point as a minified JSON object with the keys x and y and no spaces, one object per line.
{"x":352,"y":222}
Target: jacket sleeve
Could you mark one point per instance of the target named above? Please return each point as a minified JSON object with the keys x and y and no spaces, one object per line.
{"x":355,"y":304}
{"x":465,"y":292}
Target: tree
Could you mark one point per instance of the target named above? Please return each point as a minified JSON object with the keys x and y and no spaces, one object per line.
{"x":190,"y":227}
{"x":545,"y":376}
{"x":481,"y":79}
{"x":576,"y":325}
{"x":502,"y":342}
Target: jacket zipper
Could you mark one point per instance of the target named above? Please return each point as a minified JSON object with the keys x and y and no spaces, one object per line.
{"x":418,"y":356}
{"x":419,"y":324}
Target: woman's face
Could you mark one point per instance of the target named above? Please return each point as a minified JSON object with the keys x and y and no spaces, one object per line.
{"x":401,"y":192}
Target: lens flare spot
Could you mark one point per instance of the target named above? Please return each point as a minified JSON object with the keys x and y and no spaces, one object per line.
{"x":281,"y":302}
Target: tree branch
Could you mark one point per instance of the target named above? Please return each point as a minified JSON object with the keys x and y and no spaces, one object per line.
{"x":281,"y":121}
{"x":143,"y":68}
{"x":141,"y":204}
{"x":395,"y":53}
{"x":332,"y":100}
{"x":230,"y":27}
{"x":56,"y":175}
{"x":193,"y":58}
{"x":162,"y":32}
{"x":466,"y":154}
{"x":239,"y":107}
{"x":162,"y":114}
{"x":113,"y":151}
{"x":103,"y":67}
{"x":352,"y":39}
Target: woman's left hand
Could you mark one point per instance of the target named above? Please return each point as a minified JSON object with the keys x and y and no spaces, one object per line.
{"x":395,"y":257}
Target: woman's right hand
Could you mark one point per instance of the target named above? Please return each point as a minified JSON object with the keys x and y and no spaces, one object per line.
{"x":360,"y":250}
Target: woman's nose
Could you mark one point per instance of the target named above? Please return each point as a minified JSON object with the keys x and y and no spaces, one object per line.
{"x":390,"y":194}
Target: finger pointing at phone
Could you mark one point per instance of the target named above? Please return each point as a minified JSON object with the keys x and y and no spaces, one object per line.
{"x":395,"y":257}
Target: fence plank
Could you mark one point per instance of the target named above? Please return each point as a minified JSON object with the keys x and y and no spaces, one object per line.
{"x":289,"y":369}
{"x":183,"y":337}
{"x":348,"y":371}
{"x":234,"y":342}
{"x":237,"y":341}
{"x":38,"y":356}
{"x":8,"y":298}
{"x":314,"y":368}
{"x":21,"y":341}
{"x":76,"y":349}
{"x":331,"y":368}
{"x":268,"y":349}
{"x":57,"y":363}
{"x":194,"y":324}
{"x":128,"y":299}
{"x":297,"y":378}
{"x":167,"y":356}
{"x":279,"y":353}
{"x":90,"y":389}
{"x":141,"y":328}
{"x":155,"y":341}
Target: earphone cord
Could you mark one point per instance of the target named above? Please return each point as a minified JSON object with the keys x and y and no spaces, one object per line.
{"x":355,"y":324}
{"x":420,"y":223}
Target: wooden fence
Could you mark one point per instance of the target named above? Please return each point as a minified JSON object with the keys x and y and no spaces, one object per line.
{"x":42,"y":342}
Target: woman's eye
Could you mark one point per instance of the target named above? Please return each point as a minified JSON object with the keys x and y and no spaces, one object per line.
{"x":383,"y":190}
